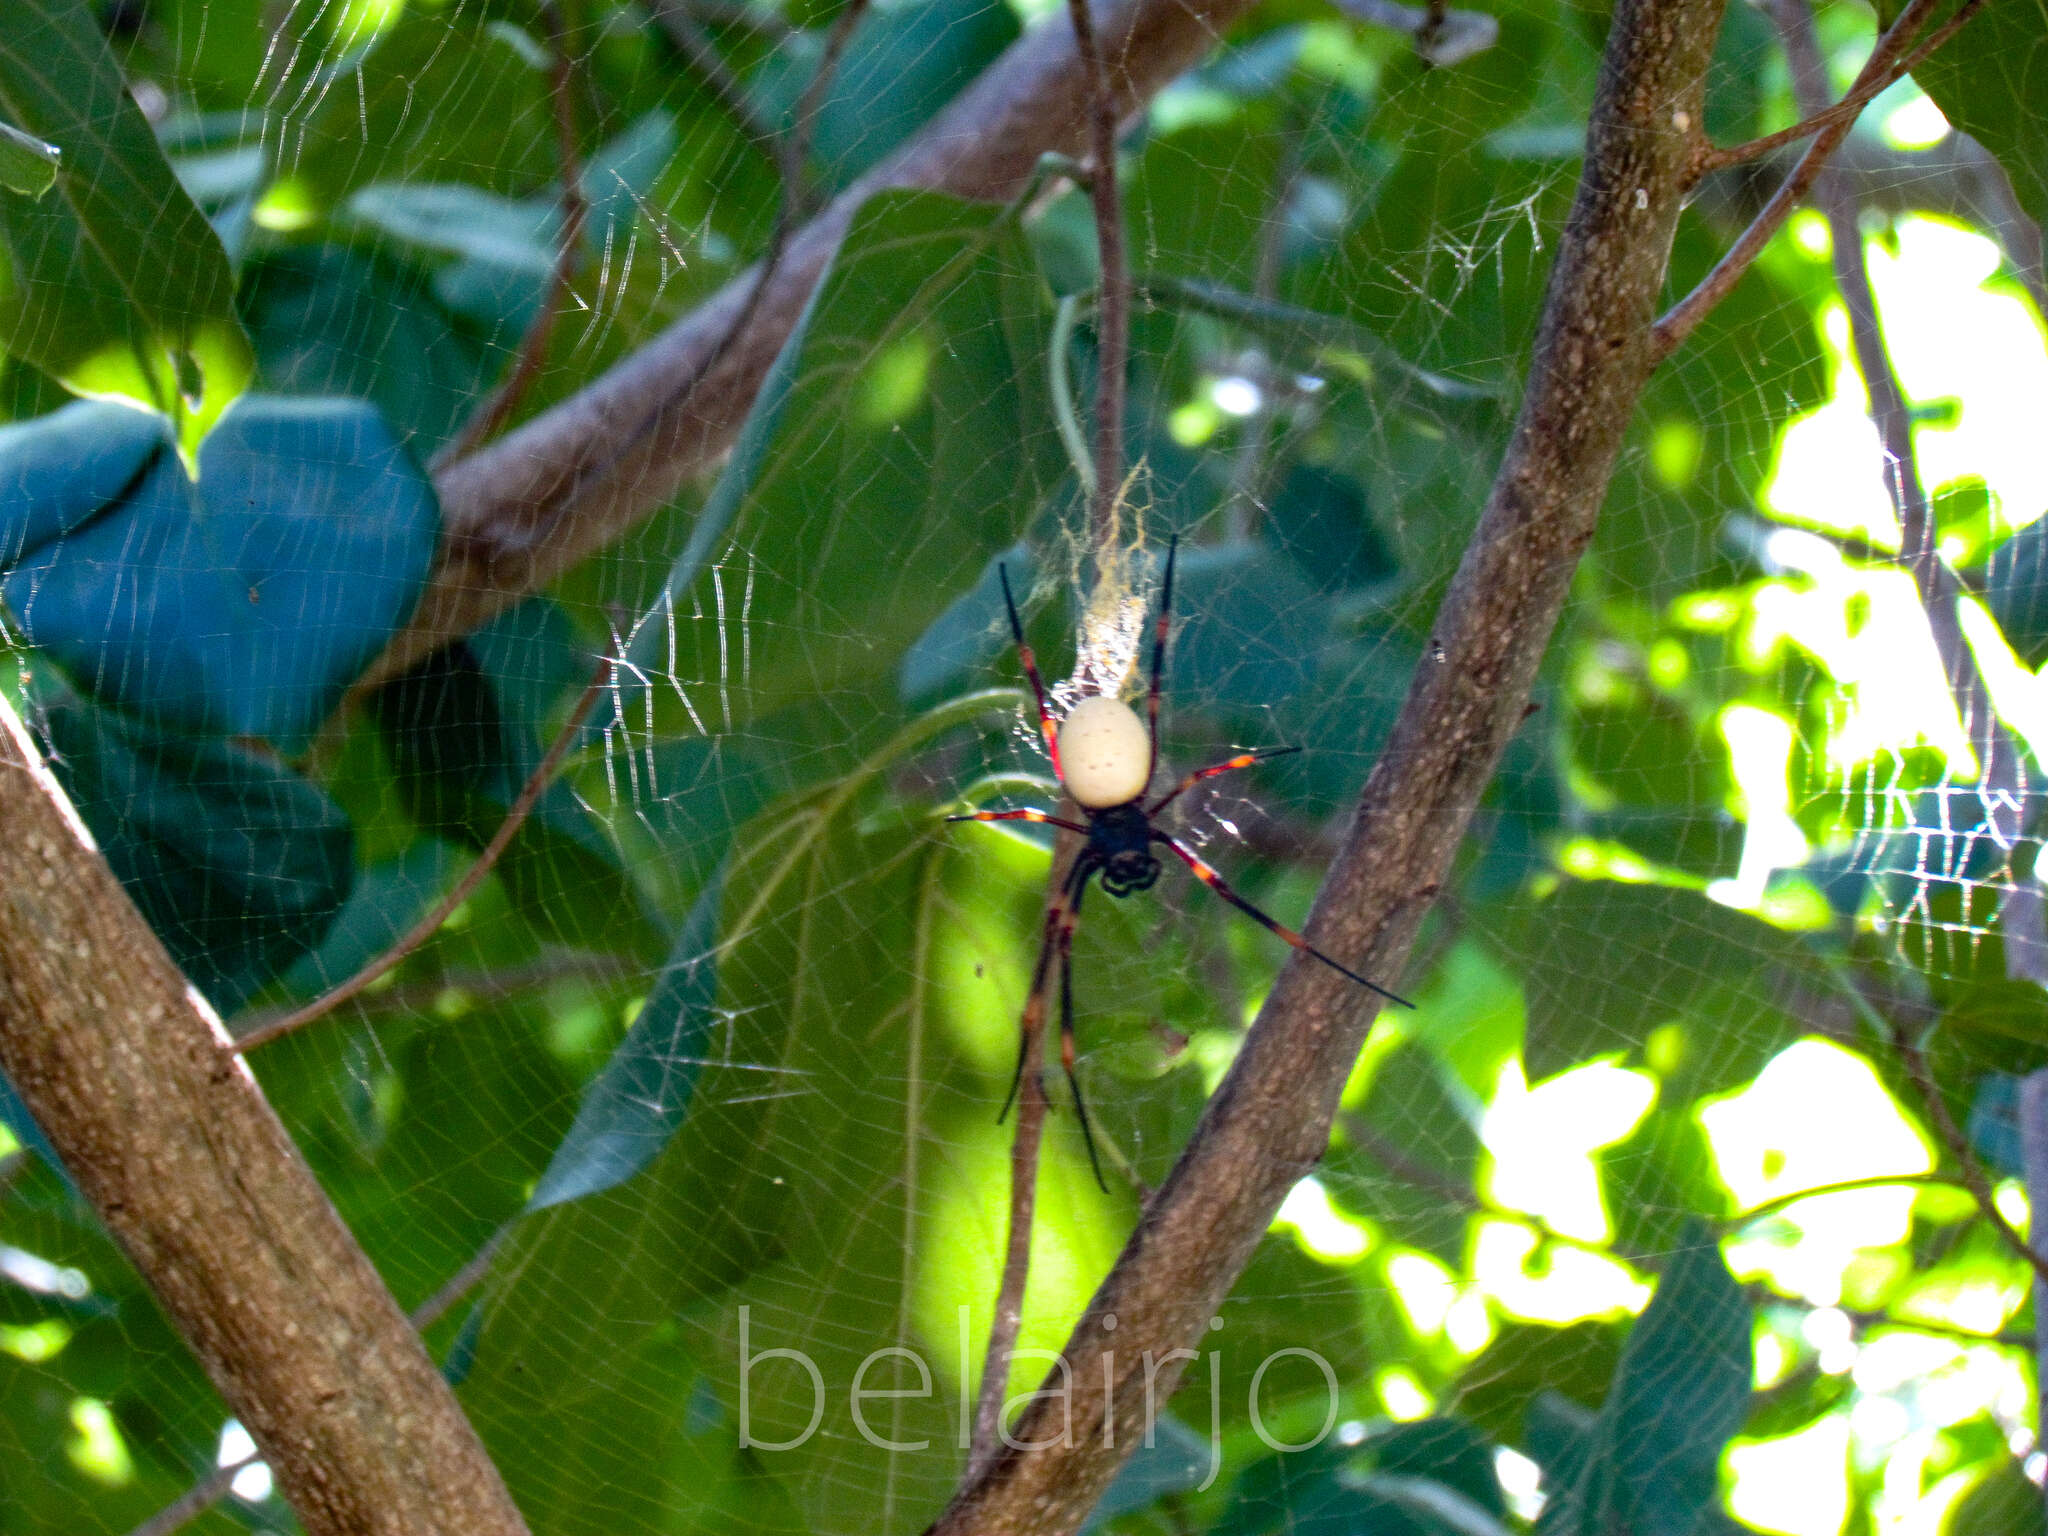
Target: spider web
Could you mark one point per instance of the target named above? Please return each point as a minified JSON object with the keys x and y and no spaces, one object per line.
{"x":695,"y":1100}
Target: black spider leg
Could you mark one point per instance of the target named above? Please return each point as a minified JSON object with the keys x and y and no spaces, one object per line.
{"x":1159,"y":629}
{"x":1066,"y":963}
{"x":1046,"y":723}
{"x":1215,"y":882}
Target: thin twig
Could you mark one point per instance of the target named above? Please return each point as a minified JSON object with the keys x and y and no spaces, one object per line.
{"x":1914,"y":1059}
{"x":575,"y":209}
{"x":1113,"y":307}
{"x":1008,"y":1319}
{"x":1777,"y":1203}
{"x":476,"y":986}
{"x":1113,"y":304}
{"x":215,"y":1486}
{"x":1680,"y":320}
{"x":1714,"y":157}
{"x":1257,"y":463}
{"x":194,"y":1501}
{"x":428,"y":926}
{"x":699,"y":49}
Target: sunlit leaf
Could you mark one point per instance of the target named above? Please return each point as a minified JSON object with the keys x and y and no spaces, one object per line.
{"x":116,"y":284}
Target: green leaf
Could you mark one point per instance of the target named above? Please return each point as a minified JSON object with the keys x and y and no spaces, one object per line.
{"x":2004,"y":1502}
{"x":367,"y":121}
{"x":238,"y":863}
{"x":1604,"y":962}
{"x":2016,"y":592}
{"x":637,"y":1101}
{"x":243,"y":603}
{"x":1444,"y":1450}
{"x":902,"y":64}
{"x":862,"y":496}
{"x":1500,"y":1388}
{"x":328,"y":322}
{"x":1173,"y":1459}
{"x":1990,"y":80}
{"x":117,"y":285}
{"x":27,"y":164}
{"x":1679,"y":1394}
{"x":860,"y":1041}
{"x":1408,"y":1111}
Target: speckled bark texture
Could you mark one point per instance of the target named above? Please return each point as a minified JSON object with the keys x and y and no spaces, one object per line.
{"x":1269,"y":1122}
{"x":175,"y":1146}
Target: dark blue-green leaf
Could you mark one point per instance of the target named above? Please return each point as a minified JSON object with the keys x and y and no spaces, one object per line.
{"x":238,"y":863}
{"x":241,"y":604}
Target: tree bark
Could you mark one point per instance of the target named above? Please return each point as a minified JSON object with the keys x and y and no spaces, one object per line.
{"x":127,"y":1072}
{"x":1269,"y":1122}
{"x":579,"y":476}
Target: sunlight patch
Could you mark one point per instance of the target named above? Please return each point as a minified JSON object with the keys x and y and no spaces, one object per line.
{"x":1542,"y":1140}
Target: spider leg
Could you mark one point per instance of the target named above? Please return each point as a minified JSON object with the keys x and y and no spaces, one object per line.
{"x":1046,"y":723}
{"x":1066,"y":964}
{"x":1214,"y":881}
{"x":1034,"y":1000}
{"x":1242,"y":760}
{"x":1059,"y":919}
{"x":1160,"y":627}
{"x":1027,"y":814}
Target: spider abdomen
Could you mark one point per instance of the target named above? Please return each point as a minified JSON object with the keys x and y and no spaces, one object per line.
{"x":1105,"y":753}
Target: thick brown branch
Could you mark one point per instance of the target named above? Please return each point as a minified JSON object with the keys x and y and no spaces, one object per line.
{"x":1270,"y":1119}
{"x":171,"y":1140}
{"x":581,"y":474}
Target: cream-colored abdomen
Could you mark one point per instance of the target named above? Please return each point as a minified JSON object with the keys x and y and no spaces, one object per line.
{"x":1105,"y":753}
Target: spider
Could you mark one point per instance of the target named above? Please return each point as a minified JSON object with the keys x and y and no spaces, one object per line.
{"x":1105,"y":759}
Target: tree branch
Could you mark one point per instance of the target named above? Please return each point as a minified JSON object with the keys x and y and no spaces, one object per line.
{"x":2002,"y":775}
{"x":578,"y":476}
{"x":127,"y":1072}
{"x":1269,"y":1121}
{"x":1678,"y":324}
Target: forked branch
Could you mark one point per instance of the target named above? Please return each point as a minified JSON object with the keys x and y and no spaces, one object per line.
{"x":1685,"y":315}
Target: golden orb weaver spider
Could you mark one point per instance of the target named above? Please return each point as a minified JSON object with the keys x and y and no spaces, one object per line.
{"x":1105,"y":759}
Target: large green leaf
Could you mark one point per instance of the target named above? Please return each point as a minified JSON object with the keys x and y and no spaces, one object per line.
{"x":1652,"y":1461}
{"x":116,"y":284}
{"x":903,"y":63}
{"x":466,"y":728}
{"x":1990,"y":80}
{"x":1603,"y":962}
{"x":635,"y":1104}
{"x":242,"y":603}
{"x":860,"y":501}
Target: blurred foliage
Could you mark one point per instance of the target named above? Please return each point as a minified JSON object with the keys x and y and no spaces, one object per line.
{"x":714,"y":1056}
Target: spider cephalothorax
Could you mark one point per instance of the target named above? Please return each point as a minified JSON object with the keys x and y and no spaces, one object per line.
{"x":1120,"y":844}
{"x":1105,"y":759}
